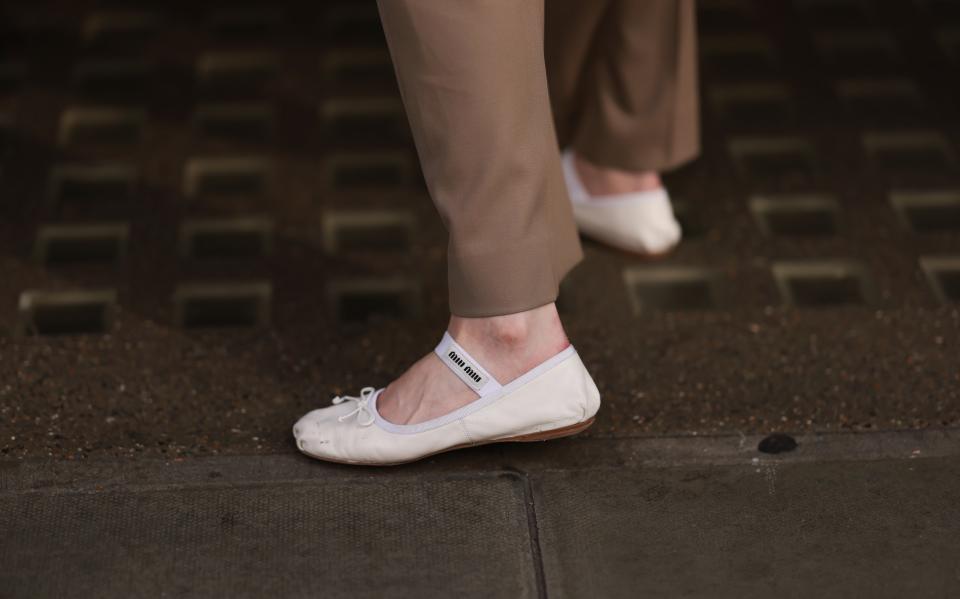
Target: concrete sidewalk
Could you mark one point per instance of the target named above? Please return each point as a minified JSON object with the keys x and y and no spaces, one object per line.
{"x":843,"y":515}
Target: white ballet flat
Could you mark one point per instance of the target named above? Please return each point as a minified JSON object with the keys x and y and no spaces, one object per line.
{"x":554,"y":399}
{"x":641,"y":222}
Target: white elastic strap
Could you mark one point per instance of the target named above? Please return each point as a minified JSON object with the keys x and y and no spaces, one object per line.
{"x":465,"y":366}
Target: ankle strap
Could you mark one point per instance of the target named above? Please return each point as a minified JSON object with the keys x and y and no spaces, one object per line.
{"x":465,"y":366}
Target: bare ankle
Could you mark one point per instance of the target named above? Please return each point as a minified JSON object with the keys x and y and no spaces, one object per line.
{"x":511,"y":331}
{"x":601,"y":180}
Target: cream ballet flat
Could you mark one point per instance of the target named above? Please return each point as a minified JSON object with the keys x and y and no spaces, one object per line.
{"x":641,"y":222}
{"x":555,"y":399}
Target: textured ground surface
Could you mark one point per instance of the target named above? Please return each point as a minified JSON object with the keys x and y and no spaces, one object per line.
{"x":240,"y":182}
{"x":300,"y":90}
{"x":626,"y":518}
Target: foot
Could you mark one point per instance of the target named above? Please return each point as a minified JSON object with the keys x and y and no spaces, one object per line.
{"x":507,"y":346}
{"x":555,"y":398}
{"x":628,"y":211}
{"x":601,"y":181}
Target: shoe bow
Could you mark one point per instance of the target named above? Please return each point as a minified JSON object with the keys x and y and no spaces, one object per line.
{"x":361,"y":408}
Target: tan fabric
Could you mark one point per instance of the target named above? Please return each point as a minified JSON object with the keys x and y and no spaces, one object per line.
{"x":474,"y":84}
{"x":623,"y":80}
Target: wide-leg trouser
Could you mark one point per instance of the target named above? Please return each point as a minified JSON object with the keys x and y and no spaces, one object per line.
{"x":474,"y":83}
{"x":623,"y":80}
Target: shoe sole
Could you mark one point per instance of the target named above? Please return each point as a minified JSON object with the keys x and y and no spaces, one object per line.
{"x":557,"y":433}
{"x":645,"y":256}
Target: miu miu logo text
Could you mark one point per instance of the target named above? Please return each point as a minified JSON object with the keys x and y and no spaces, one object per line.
{"x":470,"y":372}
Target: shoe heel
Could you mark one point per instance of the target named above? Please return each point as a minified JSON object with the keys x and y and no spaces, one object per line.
{"x":557,"y":433}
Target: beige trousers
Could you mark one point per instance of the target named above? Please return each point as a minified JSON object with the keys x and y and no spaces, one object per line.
{"x":481,"y":87}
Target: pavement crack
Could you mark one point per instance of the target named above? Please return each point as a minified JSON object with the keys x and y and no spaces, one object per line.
{"x":533,"y":529}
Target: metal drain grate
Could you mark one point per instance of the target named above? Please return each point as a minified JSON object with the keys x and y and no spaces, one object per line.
{"x":775,"y":158}
{"x":376,"y":230}
{"x":748,"y":103}
{"x":369,"y":170}
{"x":244,"y":238}
{"x":928,"y":211}
{"x":223,"y":305}
{"x":796,"y":215}
{"x":66,"y":312}
{"x":235,"y":72}
{"x":738,"y":55}
{"x":817,"y":283}
{"x":880,"y":99}
{"x":82,"y":125}
{"x":943,"y":274}
{"x":226,"y":177}
{"x":360,"y":300}
{"x":92,"y":184}
{"x":235,"y":122}
{"x":655,"y":289}
{"x":910,"y":151}
{"x":365,"y":119}
{"x":63,"y":245}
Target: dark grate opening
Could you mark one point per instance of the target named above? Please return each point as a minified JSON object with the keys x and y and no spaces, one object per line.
{"x":370,"y":237}
{"x":932,"y":159}
{"x":233,"y":183}
{"x":239,"y":311}
{"x":674,"y":295}
{"x":228,"y":244}
{"x":252,"y":128}
{"x":66,"y":252}
{"x":933,"y":219}
{"x":368,"y":175}
{"x":809,"y":223}
{"x":367,"y":127}
{"x":69,"y":319}
{"x":826,"y":290}
{"x":103,"y":190}
{"x":949,"y":282}
{"x":120,"y":132}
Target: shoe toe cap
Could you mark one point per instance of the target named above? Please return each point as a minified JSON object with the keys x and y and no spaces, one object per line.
{"x":312,"y":422}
